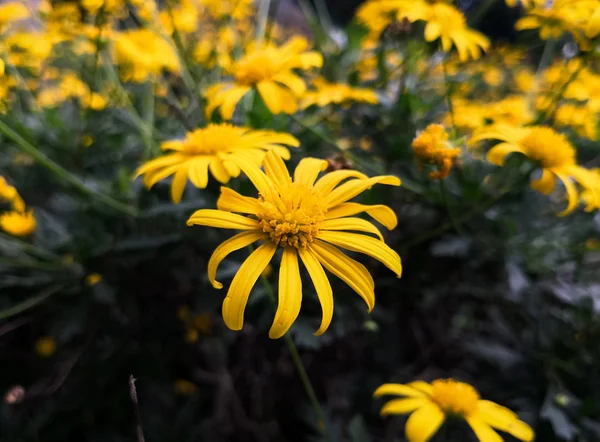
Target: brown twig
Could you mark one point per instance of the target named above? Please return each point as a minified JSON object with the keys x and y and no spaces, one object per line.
{"x":136,"y":409}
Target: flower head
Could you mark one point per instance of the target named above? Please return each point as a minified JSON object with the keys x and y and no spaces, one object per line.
{"x":337,"y":93}
{"x":45,"y":346}
{"x":431,"y":146}
{"x":208,"y":149}
{"x":270,"y":69}
{"x":18,"y":223}
{"x":11,"y":12}
{"x":306,"y":218}
{"x":551,"y":151}
{"x":430,"y":404}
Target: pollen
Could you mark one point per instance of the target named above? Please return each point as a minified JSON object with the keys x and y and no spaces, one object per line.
{"x":292,"y":216}
{"x":455,"y":397}
{"x":549,"y":148}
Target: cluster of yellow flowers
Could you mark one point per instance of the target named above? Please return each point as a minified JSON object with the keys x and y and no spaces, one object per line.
{"x":18,"y":220}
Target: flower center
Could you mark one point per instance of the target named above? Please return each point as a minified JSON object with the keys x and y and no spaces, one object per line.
{"x":212,"y":139}
{"x":257,"y":66}
{"x":455,"y":397}
{"x":292,"y":216}
{"x":549,"y":148}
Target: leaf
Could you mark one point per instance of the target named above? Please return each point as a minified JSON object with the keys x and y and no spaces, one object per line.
{"x":30,"y":302}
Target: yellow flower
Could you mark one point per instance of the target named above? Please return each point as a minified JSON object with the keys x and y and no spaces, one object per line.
{"x":191,"y":335}
{"x":306,"y":219}
{"x":182,"y":17}
{"x":18,"y":223}
{"x":93,"y":279}
{"x":143,"y":54}
{"x":9,"y":194}
{"x":11,"y":12}
{"x":524,"y":3}
{"x":448,"y":23}
{"x":431,"y":146}
{"x":430,"y":404}
{"x":554,"y":18}
{"x":208,"y":149}
{"x":592,"y":201}
{"x":183,"y":387}
{"x":336,"y":93}
{"x":551,"y":150}
{"x":221,"y":9}
{"x":45,"y":346}
{"x":269,"y":69}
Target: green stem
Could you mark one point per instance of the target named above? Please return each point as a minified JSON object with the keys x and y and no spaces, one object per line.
{"x":31,"y":302}
{"x":308,"y":388}
{"x":263,"y":18}
{"x":448,"y":96}
{"x":64,"y":174}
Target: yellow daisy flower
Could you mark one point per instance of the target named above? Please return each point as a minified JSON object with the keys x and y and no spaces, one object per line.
{"x":207,"y":149}
{"x":337,"y":93}
{"x":11,"y":12}
{"x":269,"y":69}
{"x":307,"y":218}
{"x":551,"y":150}
{"x":431,"y":404}
{"x":18,"y":223}
{"x":431,"y":146}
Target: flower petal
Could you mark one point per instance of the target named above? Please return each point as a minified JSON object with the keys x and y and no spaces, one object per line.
{"x":382,"y":214}
{"x":234,"y":243}
{"x":178,"y":184}
{"x":355,"y":187}
{"x":231,"y":201}
{"x":308,"y":170}
{"x":483,"y":431}
{"x":290,"y":294}
{"x":357,"y":224}
{"x":497,"y":154}
{"x":270,"y":93}
{"x":398,"y":390}
{"x":322,"y":287}
{"x":276,"y":170}
{"x":422,"y":386}
{"x":403,"y":406}
{"x":347,"y":269}
{"x":198,"y":171}
{"x":222,"y":220}
{"x":292,"y":81}
{"x":327,"y":182}
{"x":219,"y":171}
{"x":572,"y":193}
{"x":259,"y":179}
{"x":231,"y":98}
{"x":235,"y":302}
{"x":505,"y":420}
{"x":365,"y":244}
{"x":158,"y":163}
{"x":423,"y":423}
{"x":545,"y":184}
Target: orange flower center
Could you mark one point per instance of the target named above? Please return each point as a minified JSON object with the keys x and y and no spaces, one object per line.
{"x":455,"y":397}
{"x":292,"y":216}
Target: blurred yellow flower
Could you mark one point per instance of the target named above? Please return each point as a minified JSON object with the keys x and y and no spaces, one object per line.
{"x":431,"y":146}
{"x":28,"y":49}
{"x":69,"y":87}
{"x":551,"y":151}
{"x":235,"y":9}
{"x":191,"y":335}
{"x":306,"y":219}
{"x":9,"y":194}
{"x":336,"y":93}
{"x":182,"y":17}
{"x":184,"y":387}
{"x":45,"y":346}
{"x":269,"y":69}
{"x":208,"y":149}
{"x":93,"y":279}
{"x":143,"y":54}
{"x":11,"y":12}
{"x":18,"y":223}
{"x":430,"y":404}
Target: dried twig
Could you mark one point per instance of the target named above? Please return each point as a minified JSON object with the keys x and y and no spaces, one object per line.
{"x":136,"y":409}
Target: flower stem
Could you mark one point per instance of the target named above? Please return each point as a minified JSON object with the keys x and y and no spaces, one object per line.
{"x":308,"y":388}
{"x":62,"y":173}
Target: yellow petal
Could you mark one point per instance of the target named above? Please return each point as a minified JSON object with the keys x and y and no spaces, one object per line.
{"x":365,"y":244}
{"x":327,"y":182}
{"x":178,"y":184}
{"x":422,"y":386}
{"x":271,"y":96}
{"x":545,"y":184}
{"x":276,"y":170}
{"x":505,"y":420}
{"x":357,"y":224}
{"x":222,"y":220}
{"x":572,"y":193}
{"x":234,"y":243}
{"x":308,"y":170}
{"x":382,"y":214}
{"x":423,"y":423}
{"x":403,"y":406}
{"x":243,"y":281}
{"x":259,"y":179}
{"x":347,"y":269}
{"x":593,"y":25}
{"x":158,"y":163}
{"x":497,"y":154}
{"x":153,"y":177}
{"x":230,"y":99}
{"x":219,"y":171}
{"x":432,"y":31}
{"x":198,"y":171}
{"x":292,"y":81}
{"x":231,"y":201}
{"x":290,"y":294}
{"x":483,"y":431}
{"x":355,"y":187}
{"x":322,"y":287}
{"x":398,"y":390}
